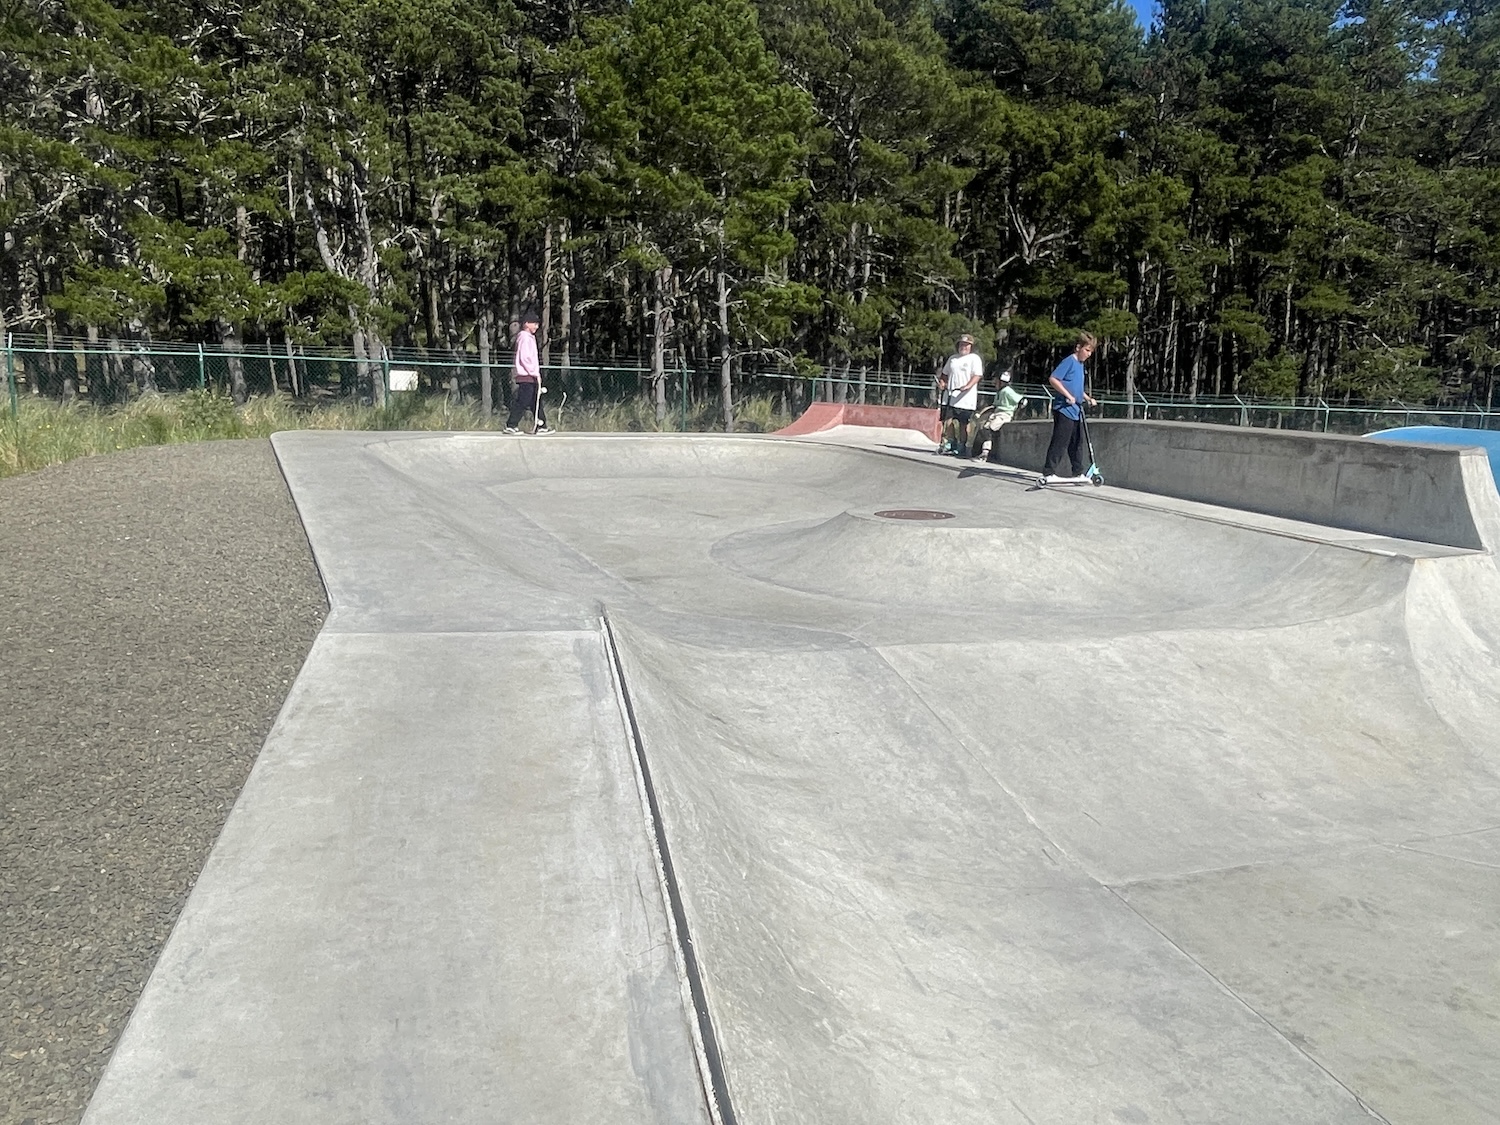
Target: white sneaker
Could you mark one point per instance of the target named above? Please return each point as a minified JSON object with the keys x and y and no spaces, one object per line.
{"x":511,"y":430}
{"x":542,"y":430}
{"x":1052,"y":478}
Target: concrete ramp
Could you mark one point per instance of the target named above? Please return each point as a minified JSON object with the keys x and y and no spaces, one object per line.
{"x":434,"y":901}
{"x":821,"y":417}
{"x":1409,"y":490}
{"x":1030,"y":809}
{"x":887,"y":933}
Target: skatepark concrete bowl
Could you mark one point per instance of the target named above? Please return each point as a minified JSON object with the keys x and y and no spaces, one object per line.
{"x":659,"y":779}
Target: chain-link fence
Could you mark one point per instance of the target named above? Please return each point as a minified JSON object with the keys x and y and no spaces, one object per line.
{"x":1301,"y":414}
{"x":1315,"y":414}
{"x":110,"y":371}
{"x":599,"y":392}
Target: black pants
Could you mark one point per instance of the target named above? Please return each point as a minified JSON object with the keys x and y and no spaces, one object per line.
{"x":1067,"y":438}
{"x":523,"y":400}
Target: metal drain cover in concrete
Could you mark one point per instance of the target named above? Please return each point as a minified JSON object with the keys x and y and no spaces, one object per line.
{"x":913,"y":514}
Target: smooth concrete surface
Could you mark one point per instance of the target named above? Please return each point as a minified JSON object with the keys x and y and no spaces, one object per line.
{"x":889,"y":438}
{"x":1053,"y":812}
{"x":1256,"y":928}
{"x":434,"y":901}
{"x":1404,"y":489}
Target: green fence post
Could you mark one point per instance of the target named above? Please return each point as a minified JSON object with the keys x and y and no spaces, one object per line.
{"x":10,"y":374}
{"x":202,"y":375}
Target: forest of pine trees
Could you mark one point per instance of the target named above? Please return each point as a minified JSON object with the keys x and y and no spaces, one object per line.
{"x":1275,"y":197}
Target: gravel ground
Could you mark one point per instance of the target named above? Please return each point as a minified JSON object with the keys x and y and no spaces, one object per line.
{"x":155,"y":606}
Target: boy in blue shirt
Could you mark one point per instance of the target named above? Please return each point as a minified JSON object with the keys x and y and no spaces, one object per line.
{"x":1066,"y":382}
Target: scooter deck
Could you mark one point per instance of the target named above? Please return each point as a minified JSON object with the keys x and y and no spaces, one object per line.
{"x":1071,"y":482}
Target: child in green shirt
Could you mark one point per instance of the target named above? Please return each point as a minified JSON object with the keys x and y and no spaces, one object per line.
{"x":991,"y":418}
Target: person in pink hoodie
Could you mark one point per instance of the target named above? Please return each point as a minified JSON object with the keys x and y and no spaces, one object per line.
{"x":528,"y":379}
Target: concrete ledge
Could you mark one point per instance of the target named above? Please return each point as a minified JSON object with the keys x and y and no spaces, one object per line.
{"x":1410,"y":491}
{"x":825,"y":415}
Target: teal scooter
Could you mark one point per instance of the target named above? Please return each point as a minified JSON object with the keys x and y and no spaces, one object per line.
{"x":1094,"y":476}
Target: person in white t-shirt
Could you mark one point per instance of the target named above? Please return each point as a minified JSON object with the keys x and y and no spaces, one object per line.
{"x":958,"y":391}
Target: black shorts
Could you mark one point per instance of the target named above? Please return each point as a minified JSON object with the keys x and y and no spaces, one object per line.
{"x":955,"y":414}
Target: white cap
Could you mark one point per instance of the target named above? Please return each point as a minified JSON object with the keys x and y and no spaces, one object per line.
{"x":1005,"y":376}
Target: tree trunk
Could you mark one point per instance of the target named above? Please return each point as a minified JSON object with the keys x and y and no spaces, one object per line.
{"x":242,"y":236}
{"x":101,"y":373}
{"x":1213,"y":292}
{"x":376,"y":348}
{"x":229,"y":339}
{"x":1286,"y":329}
{"x":361,"y":354}
{"x":366,"y":271}
{"x":510,"y":368}
{"x":449,"y":301}
{"x":512,"y":289}
{"x":565,"y":303}
{"x":546,"y":311}
{"x":726,"y":387}
{"x":1200,"y":333}
{"x":644,"y":329}
{"x":368,"y":275}
{"x":1133,"y":350}
{"x":428,"y":286}
{"x":486,"y":384}
{"x":74,"y":383}
{"x":1316,"y":386}
{"x":659,"y":316}
{"x":145,"y":366}
{"x":54,"y":369}
{"x":627,"y":308}
{"x":291,"y":368}
{"x":1169,"y":351}
{"x":242,"y":252}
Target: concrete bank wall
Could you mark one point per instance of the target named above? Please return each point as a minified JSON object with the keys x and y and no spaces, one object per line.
{"x":825,"y":415}
{"x":1422,"y":492}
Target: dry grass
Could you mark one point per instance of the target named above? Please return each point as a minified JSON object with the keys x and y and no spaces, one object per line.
{"x":45,"y":432}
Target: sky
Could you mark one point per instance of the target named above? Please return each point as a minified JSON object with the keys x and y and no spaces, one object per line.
{"x":1144,"y":10}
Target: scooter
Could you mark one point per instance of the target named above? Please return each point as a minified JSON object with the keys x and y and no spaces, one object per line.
{"x":1094,"y":476}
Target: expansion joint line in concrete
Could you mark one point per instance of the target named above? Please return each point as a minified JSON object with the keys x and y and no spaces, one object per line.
{"x":705,"y":1039}
{"x":1251,"y":1008}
